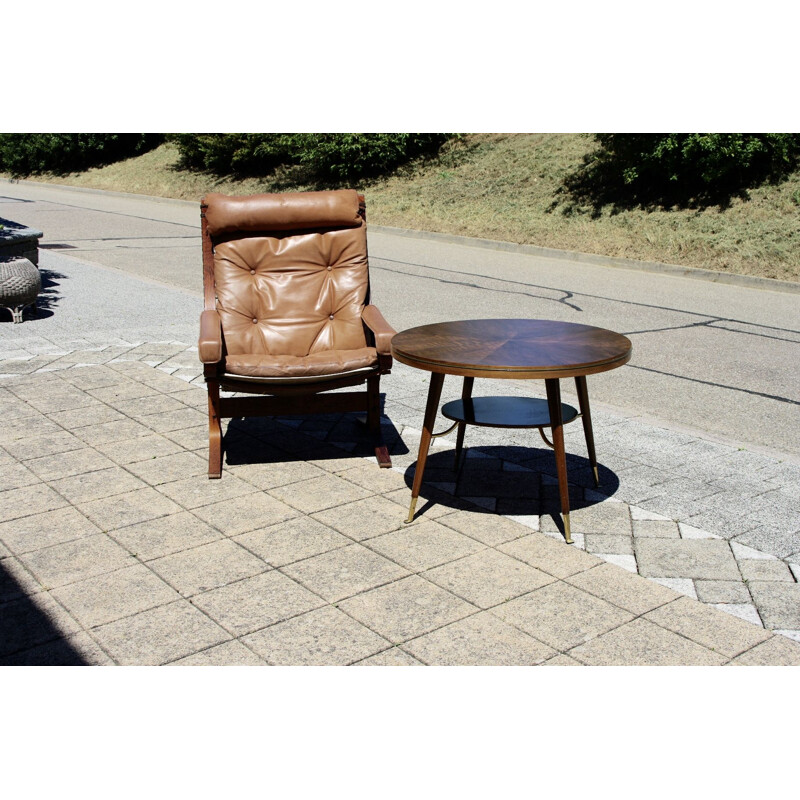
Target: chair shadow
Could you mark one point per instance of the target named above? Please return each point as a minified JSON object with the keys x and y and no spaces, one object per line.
{"x":27,"y":635}
{"x":507,"y":480}
{"x":308,"y":437}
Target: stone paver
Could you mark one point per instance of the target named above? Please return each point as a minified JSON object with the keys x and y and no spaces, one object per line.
{"x":621,"y":588}
{"x":344,"y":572}
{"x":424,"y":545}
{"x":393,"y":657}
{"x":96,"y":485}
{"x":127,"y":509}
{"x":64,"y":465}
{"x":248,"y":605}
{"x":488,"y":578}
{"x":324,"y":637}
{"x":160,"y":635}
{"x":406,"y":608}
{"x":363,"y":519}
{"x":207,"y":567}
{"x":27,"y":500}
{"x":297,"y":539}
{"x":720,"y":632}
{"x":318,"y":494}
{"x":164,"y":536}
{"x":722,"y":591}
{"x":641,"y":643}
{"x":242,"y":514}
{"x":43,"y":530}
{"x":778,"y":603}
{"x":562,"y":616}
{"x":76,"y":560}
{"x":221,"y":655}
{"x":549,"y":556}
{"x":776,"y":651}
{"x":482,"y":640}
{"x":668,"y":558}
{"x":168,"y":468}
{"x":113,"y":595}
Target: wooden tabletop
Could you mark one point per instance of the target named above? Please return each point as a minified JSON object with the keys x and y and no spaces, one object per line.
{"x":511,"y":348}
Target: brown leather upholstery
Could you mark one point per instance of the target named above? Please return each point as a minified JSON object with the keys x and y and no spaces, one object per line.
{"x":381,"y":330}
{"x":324,"y":364}
{"x":287,"y":292}
{"x":282,"y":212}
{"x":292,"y":296}
{"x":209,"y":346}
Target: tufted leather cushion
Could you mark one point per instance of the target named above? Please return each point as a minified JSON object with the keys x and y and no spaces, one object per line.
{"x":291,"y":304}
{"x":281,"y":212}
{"x":330,"y":362}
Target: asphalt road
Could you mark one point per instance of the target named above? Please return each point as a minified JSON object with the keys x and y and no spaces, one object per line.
{"x":710,"y":357}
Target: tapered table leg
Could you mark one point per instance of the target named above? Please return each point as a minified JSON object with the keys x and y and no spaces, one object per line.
{"x":554,"y":404}
{"x":586,"y":417}
{"x":466,"y":395}
{"x":431,"y":410}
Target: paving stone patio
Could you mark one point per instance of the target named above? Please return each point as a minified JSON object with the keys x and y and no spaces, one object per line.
{"x":115,"y":548}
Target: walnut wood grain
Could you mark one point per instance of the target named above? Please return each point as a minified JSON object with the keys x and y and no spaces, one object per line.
{"x":511,"y":348}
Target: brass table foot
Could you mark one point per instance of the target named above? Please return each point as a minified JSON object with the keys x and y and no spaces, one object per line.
{"x":411,"y":510}
{"x":596,"y":477}
{"x":567,"y":533}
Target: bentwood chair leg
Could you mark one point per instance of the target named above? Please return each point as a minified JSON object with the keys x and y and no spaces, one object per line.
{"x":214,"y":432}
{"x":554,"y":404}
{"x":431,"y":410}
{"x":466,"y":395}
{"x":586,"y":417}
{"x":374,"y":422}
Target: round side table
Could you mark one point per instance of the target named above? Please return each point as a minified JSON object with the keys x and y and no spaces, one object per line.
{"x":520,"y":349}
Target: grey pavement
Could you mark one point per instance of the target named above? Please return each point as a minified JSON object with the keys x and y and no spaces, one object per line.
{"x":115,"y":548}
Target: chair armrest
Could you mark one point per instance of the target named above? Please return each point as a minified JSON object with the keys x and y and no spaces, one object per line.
{"x":209,"y":345}
{"x":384,"y":332}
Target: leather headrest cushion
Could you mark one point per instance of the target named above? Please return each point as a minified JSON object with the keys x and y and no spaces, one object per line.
{"x":282,"y":212}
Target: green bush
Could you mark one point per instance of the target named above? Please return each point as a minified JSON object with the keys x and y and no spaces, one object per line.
{"x":348,"y":156}
{"x":325,"y":157}
{"x":682,"y":168}
{"x":704,"y":159}
{"x":240,"y":154}
{"x":59,"y":153}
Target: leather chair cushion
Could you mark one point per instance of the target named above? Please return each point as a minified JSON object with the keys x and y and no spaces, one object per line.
{"x":316,"y":364}
{"x":282,"y":212}
{"x":283,"y":295}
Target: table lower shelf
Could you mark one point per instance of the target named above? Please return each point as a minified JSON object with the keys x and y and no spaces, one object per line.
{"x":505,"y":412}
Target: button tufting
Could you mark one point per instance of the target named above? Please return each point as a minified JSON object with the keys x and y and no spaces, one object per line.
{"x":331,"y":316}
{"x":252,"y":272}
{"x":254,"y":319}
{"x":329,"y":268}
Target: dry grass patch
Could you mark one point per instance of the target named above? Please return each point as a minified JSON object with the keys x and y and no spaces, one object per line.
{"x":508,"y":187}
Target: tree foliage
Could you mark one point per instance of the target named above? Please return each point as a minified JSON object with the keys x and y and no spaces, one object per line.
{"x":682,"y":169}
{"x":325,"y":157}
{"x":24,"y":154}
{"x":345,"y":156}
{"x":240,"y":154}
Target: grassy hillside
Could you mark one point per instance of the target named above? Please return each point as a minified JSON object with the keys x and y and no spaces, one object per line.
{"x":510,"y":187}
